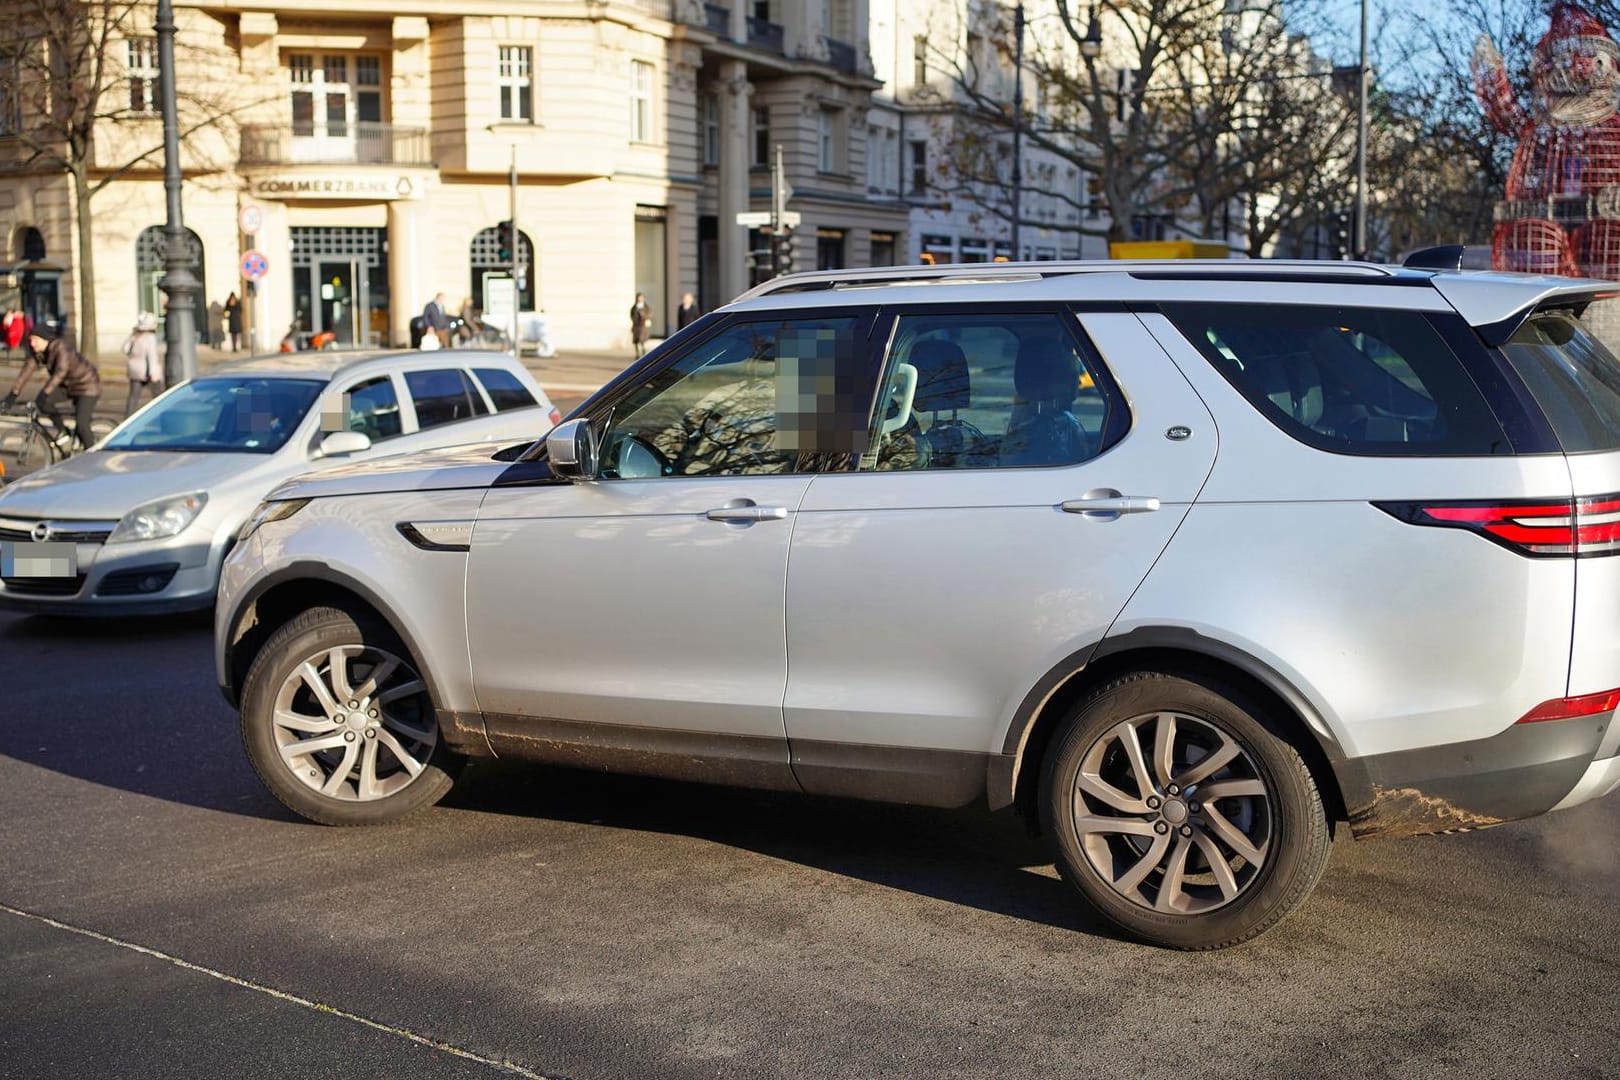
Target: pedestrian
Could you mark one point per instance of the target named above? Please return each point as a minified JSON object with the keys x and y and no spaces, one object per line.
{"x":687,"y":313}
{"x":438,"y":321}
{"x":69,"y":377}
{"x":641,"y":317}
{"x":233,"y":320}
{"x":472,"y":323}
{"x":145,"y":367}
{"x":216,"y":325}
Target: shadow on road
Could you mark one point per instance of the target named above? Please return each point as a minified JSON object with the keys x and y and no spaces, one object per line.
{"x":132,"y":705}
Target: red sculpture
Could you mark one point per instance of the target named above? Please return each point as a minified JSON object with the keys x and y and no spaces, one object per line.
{"x":1561,"y":214}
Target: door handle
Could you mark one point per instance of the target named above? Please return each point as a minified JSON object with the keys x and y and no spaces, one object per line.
{"x":1107,"y":507}
{"x":744,"y":512}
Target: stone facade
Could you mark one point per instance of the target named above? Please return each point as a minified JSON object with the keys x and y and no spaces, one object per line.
{"x":375,"y":142}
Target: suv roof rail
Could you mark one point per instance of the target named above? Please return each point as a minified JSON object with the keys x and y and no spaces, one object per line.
{"x":986,"y":273}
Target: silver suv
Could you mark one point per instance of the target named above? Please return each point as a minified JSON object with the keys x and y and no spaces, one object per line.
{"x":1188,"y":562}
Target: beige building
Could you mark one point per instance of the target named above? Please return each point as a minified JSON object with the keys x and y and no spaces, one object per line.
{"x":369,"y":146}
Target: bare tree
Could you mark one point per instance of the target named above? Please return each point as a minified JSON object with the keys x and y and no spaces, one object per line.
{"x":1179,"y":109}
{"x":63,"y":81}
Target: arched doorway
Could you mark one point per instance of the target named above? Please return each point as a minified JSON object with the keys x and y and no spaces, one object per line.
{"x":38,"y":282}
{"x":28,"y":244}
{"x":149,"y":270}
{"x":488,"y":267}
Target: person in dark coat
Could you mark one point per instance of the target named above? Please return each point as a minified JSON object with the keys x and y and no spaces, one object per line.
{"x":687,"y":313}
{"x":69,"y":377}
{"x":641,"y":317}
{"x":233,"y":320}
{"x":438,"y":320}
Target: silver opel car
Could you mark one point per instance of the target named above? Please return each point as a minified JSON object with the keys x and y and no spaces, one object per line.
{"x":141,"y":523}
{"x":1193,"y":564}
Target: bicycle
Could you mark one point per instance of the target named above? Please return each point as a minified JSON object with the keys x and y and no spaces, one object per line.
{"x":39,"y":442}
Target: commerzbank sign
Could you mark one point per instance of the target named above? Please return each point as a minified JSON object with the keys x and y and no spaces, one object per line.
{"x":336,"y":186}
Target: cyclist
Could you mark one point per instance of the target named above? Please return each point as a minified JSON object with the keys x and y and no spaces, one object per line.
{"x":69,"y":377}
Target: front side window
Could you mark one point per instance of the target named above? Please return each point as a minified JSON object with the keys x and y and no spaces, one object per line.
{"x":760,"y":398}
{"x":991,"y":391}
{"x":515,"y":77}
{"x":1350,"y":380}
{"x":373,"y":408}
{"x":641,"y":102}
{"x":442,"y":396}
{"x":222,"y":415}
{"x":143,"y":75}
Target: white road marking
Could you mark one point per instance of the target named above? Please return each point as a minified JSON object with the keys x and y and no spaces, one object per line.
{"x":281,"y":995}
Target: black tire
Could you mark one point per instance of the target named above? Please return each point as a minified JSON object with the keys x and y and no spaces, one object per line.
{"x":310,"y":634}
{"x":1289,"y":832}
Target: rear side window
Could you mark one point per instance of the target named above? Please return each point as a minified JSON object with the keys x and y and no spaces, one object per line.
{"x":443,"y":396}
{"x":1572,"y":374}
{"x":505,"y":390}
{"x":1348,"y":380}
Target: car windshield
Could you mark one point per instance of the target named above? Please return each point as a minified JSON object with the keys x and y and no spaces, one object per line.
{"x":240,"y":415}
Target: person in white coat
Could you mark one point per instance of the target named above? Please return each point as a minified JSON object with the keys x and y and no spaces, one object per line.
{"x":145,"y":367}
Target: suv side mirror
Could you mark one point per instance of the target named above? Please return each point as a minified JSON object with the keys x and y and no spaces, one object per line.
{"x":571,"y":449}
{"x":341,"y":443}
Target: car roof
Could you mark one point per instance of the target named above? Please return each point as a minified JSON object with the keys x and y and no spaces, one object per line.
{"x":1482,"y":297}
{"x":343,"y":363}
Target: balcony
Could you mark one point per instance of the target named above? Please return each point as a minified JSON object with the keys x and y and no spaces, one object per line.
{"x":841,"y":55}
{"x":765,"y":35}
{"x":361,"y":142}
{"x":717,"y":19}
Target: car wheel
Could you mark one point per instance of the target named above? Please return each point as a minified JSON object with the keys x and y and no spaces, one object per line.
{"x":1180,"y":814}
{"x":339,"y":724}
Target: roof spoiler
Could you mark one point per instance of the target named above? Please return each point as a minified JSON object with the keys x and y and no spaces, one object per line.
{"x":1496,"y":305}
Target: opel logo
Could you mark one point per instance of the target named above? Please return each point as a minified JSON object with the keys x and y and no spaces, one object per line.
{"x":42,"y":532}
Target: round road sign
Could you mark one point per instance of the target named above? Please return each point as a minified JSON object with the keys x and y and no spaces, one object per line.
{"x":251,"y":219}
{"x":255,"y":265}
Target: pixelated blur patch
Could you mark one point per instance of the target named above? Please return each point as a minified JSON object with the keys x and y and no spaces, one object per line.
{"x":36,"y":560}
{"x":334,"y":413}
{"x":816,"y":406}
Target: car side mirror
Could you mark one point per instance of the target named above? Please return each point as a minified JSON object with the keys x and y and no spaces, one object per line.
{"x":572,"y":451}
{"x":343,"y":443}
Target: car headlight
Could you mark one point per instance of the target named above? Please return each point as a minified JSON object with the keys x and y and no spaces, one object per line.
{"x":156,"y":520}
{"x":267,"y":512}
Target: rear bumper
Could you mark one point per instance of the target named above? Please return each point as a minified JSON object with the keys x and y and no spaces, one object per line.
{"x":1521,"y":772}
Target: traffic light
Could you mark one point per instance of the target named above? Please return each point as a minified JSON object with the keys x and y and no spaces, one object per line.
{"x":782,"y":251}
{"x":503,"y":241}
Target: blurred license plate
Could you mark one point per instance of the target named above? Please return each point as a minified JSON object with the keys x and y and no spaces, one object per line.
{"x":32,"y":560}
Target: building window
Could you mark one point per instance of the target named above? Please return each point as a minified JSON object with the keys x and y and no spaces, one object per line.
{"x":762,"y":137}
{"x":10,"y":100}
{"x":827,"y":142}
{"x":641,"y":101}
{"x":515,"y":77}
{"x":368,"y":89}
{"x":883,"y":249}
{"x":143,"y":75}
{"x":829,"y":249}
{"x":919,"y":61}
{"x":711,"y":129}
{"x":919,"y":167}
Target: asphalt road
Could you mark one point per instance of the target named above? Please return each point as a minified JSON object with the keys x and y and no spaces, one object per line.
{"x":162,"y":916}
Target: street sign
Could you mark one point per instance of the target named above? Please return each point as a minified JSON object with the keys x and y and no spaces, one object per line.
{"x":255,"y":265}
{"x":251,"y":219}
{"x":760,"y":219}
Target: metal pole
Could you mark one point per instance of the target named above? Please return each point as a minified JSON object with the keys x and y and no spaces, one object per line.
{"x":178,"y":283}
{"x":1359,"y":244}
{"x":1018,"y":126}
{"x":517,"y":251}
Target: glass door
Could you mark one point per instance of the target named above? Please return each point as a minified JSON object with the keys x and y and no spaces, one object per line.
{"x":340,"y":305}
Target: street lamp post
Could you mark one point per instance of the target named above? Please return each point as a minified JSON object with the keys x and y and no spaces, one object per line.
{"x":1018,"y":126}
{"x":1360,"y":241}
{"x":178,"y":284}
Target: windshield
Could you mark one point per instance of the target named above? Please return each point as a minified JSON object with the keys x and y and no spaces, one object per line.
{"x":240,"y":415}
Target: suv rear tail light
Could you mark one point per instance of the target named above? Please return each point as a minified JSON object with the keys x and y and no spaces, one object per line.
{"x":1536,"y":527}
{"x":1567,"y":708}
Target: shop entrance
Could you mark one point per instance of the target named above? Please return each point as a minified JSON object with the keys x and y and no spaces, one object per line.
{"x":340,"y":283}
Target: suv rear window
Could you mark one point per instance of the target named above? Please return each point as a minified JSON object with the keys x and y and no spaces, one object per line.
{"x":1349,"y":380}
{"x":1572,"y":374}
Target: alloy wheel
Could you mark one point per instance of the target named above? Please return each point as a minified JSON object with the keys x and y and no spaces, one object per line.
{"x":354,"y":722}
{"x":1172,"y":813}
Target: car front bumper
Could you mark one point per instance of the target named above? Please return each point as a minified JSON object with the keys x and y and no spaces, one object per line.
{"x":150,"y":578}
